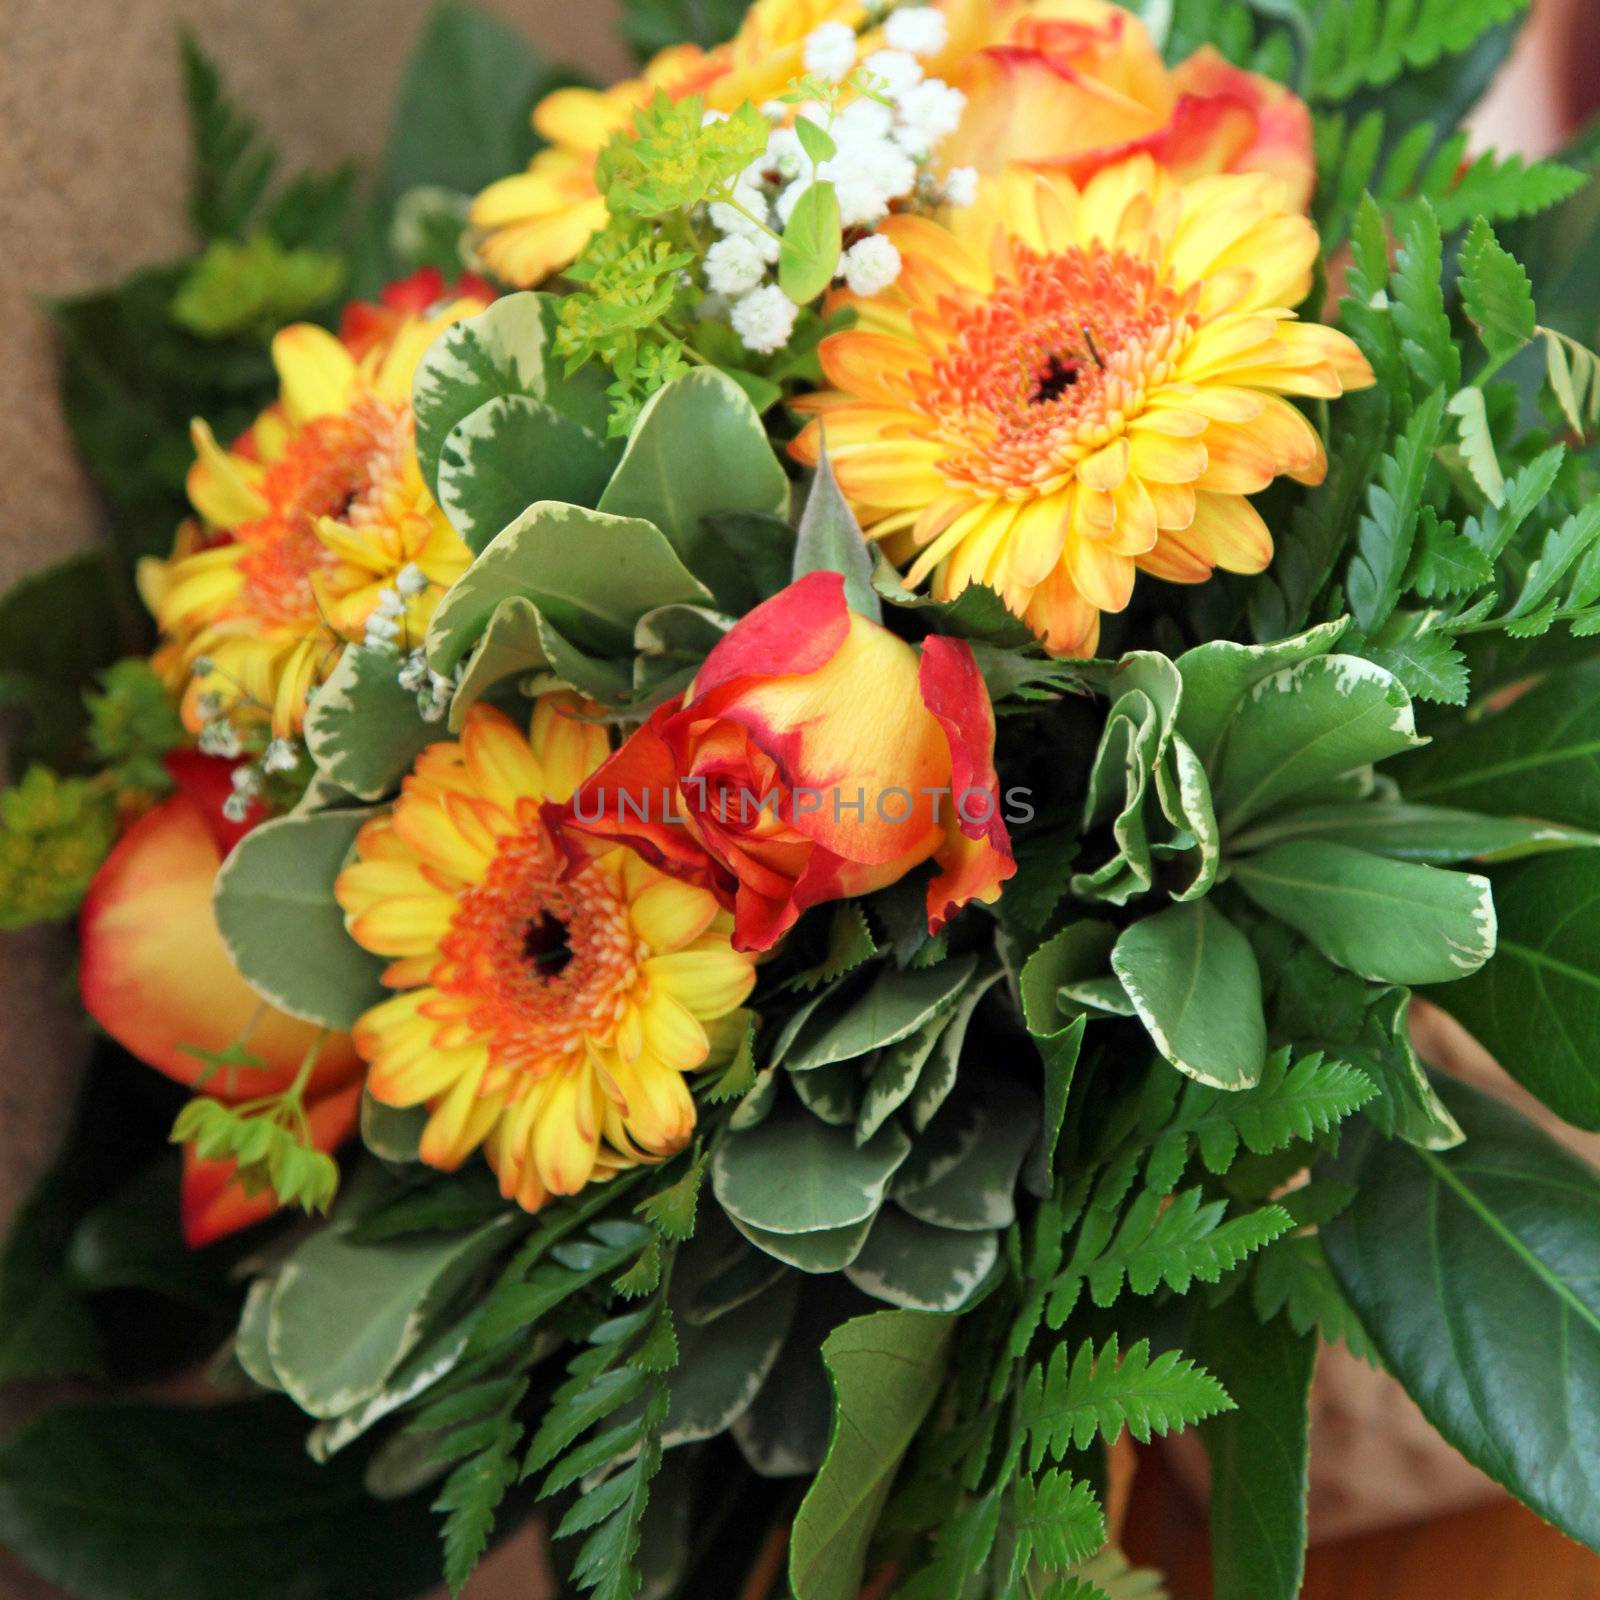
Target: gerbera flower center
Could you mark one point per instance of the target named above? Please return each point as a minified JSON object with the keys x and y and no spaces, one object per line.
{"x":1051,"y":364}
{"x":543,"y":959}
{"x":544,"y":944}
{"x":332,"y":467}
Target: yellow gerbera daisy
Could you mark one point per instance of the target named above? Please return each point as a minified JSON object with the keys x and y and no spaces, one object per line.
{"x":310,"y":516}
{"x":1063,"y":386}
{"x":536,"y":222}
{"x":549,"y":1018}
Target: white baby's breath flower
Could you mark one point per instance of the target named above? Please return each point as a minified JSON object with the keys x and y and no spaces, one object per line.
{"x":219,"y":738}
{"x":961,"y":186}
{"x":411,"y":580}
{"x":863,"y":118}
{"x":895,"y":71}
{"x":764,"y":318}
{"x":726,"y":219}
{"x":413,"y":672}
{"x":918,"y":30}
{"x":831,"y":51}
{"x":734,"y":264}
{"x":280,"y":756}
{"x":929,"y":111}
{"x":871,"y":265}
{"x":785,"y":154}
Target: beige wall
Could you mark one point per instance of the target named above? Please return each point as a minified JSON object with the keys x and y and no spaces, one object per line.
{"x":93,"y":168}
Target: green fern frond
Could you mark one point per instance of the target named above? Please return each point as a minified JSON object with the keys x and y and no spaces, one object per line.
{"x":1057,"y":1521}
{"x":1299,"y":1102}
{"x":470,"y":1497}
{"x":1371,"y":42}
{"x":1064,"y":1403}
{"x":1175,"y":1242}
{"x":232,"y":164}
{"x":1291,"y":1278}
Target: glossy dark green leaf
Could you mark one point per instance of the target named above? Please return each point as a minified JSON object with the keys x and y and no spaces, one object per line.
{"x":1259,"y":1452}
{"x":1476,"y":1272}
{"x":211,"y":1502}
{"x":1537,"y":757}
{"x":1536,"y":1006}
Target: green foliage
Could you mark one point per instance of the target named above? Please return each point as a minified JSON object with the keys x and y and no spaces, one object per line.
{"x":885,"y":1369}
{"x":1510,"y":1234}
{"x":54,"y":833}
{"x":284,"y":930}
{"x":1495,"y":292}
{"x":1360,"y":42}
{"x":1292,"y":1280}
{"x":1074,"y":1397}
{"x":232,"y":165}
{"x":1176,"y":1240}
{"x":1572,"y":371}
{"x":830,"y":540}
{"x":270,"y":1143}
{"x":132,"y":725}
{"x":252,"y":288}
{"x":1291,"y":1103}
{"x":1192,"y":979}
{"x":1394,"y":504}
{"x":809,"y":254}
{"x":653,"y":25}
{"x":1055,"y":1521}
{"x":672,"y":157}
{"x":72,"y":1509}
{"x":1426,"y":165}
{"x":1535,"y":1006}
{"x":1259,"y":1454}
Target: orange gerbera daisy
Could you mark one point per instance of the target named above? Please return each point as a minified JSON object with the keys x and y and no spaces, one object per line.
{"x":548,"y":1017}
{"x":317,"y":510}
{"x":1066,"y":385}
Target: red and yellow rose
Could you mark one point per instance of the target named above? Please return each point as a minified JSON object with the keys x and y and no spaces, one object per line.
{"x":815,"y":756}
{"x":1072,"y":86}
{"x":155,"y":974}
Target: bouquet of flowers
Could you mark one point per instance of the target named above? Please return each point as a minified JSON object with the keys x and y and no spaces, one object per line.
{"x":762,"y":787}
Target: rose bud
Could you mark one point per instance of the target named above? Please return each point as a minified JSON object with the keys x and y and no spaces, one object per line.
{"x":815,"y":756}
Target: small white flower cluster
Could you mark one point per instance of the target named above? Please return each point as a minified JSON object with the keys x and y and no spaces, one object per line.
{"x":883,"y":143}
{"x":432,"y":689}
{"x":246,"y":788}
{"x":218,"y":736}
{"x":387,"y":619}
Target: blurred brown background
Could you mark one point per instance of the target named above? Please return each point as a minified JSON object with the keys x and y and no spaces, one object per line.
{"x":92,"y":183}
